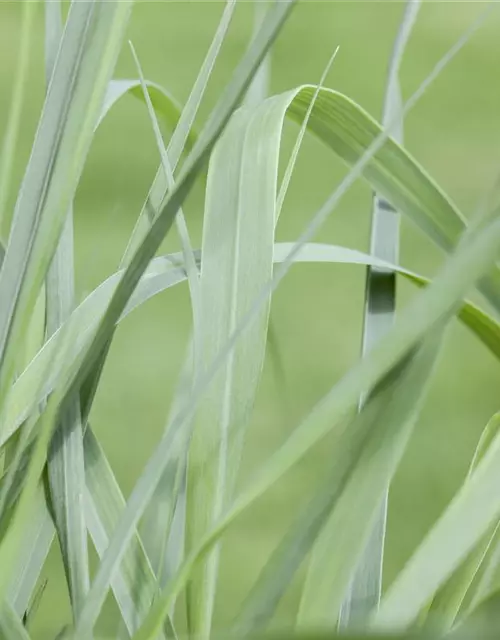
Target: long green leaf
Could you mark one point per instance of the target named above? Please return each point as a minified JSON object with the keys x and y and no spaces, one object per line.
{"x":237,"y":258}
{"x":38,"y":537}
{"x":192,"y":273}
{"x":65,"y":459}
{"x":380,"y":303}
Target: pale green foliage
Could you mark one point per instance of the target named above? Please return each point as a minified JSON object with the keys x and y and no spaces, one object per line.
{"x":58,"y":482}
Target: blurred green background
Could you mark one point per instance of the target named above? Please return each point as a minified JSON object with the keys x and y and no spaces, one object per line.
{"x":317,"y":312}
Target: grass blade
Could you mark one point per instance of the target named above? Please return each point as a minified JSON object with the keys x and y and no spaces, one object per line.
{"x":237,"y":258}
{"x":65,"y":458}
{"x":380,"y":304}
{"x":171,"y":480}
{"x":166,"y":528}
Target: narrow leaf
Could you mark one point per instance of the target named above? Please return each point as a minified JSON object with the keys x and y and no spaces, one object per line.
{"x":380,"y":304}
{"x":65,"y":460}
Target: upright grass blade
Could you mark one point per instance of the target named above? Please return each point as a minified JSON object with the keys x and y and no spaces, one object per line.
{"x":237,"y":257}
{"x":12,"y":129}
{"x":187,"y":249}
{"x":365,"y":454}
{"x":66,"y":470}
{"x":173,"y":479}
{"x":164,"y":546}
{"x":85,"y":62}
{"x":380,"y":303}
{"x":425,"y":312}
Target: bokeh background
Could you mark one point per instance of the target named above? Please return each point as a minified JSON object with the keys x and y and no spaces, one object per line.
{"x":317,"y":312}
